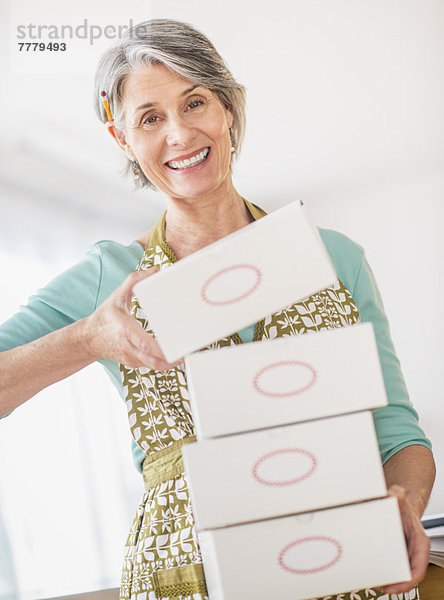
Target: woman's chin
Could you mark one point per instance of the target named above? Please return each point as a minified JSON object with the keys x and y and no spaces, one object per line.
{"x":192,"y":188}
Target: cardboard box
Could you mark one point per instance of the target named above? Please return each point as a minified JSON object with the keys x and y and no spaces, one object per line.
{"x":314,"y":554}
{"x":285,"y":380}
{"x":234,"y":282}
{"x":284,"y":470}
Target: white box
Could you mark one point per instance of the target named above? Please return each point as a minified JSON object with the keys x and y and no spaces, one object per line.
{"x":284,"y":470}
{"x":314,"y":554}
{"x":234,"y":282}
{"x":285,"y":380}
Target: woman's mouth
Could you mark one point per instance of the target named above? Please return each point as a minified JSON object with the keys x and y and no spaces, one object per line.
{"x":182,"y":165}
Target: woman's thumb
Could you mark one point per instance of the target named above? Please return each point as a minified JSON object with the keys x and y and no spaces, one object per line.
{"x":134,"y":278}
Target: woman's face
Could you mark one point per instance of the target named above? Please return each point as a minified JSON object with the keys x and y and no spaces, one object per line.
{"x":169,"y":120}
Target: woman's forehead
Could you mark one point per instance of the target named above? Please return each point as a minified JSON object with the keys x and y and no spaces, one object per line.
{"x":152,"y":83}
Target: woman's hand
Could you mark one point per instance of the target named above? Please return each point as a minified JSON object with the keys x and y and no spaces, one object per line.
{"x":111,"y":332}
{"x":418,"y":545}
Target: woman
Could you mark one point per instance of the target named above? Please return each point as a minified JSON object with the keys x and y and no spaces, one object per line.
{"x":179,"y":116}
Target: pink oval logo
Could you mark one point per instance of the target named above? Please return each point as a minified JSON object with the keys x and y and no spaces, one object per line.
{"x":218,"y":289}
{"x":285,"y":378}
{"x":286,"y":466}
{"x":310,"y":555}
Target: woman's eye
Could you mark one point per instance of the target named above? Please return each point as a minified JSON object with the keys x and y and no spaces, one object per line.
{"x":195,"y":103}
{"x":153,"y":119}
{"x":150,"y":119}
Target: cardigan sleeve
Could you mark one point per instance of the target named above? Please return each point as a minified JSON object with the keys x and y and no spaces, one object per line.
{"x":397,"y":423}
{"x":69,"y":297}
{"x":72,"y":295}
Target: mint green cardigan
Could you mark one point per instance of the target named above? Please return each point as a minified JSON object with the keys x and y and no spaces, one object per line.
{"x":78,"y":291}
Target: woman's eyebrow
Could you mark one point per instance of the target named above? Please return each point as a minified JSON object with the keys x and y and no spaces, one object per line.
{"x":150,"y":104}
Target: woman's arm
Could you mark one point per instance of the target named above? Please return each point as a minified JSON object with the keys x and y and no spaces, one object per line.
{"x":109,"y":332}
{"x":405,"y":451}
{"x":410,"y":474}
{"x":28,"y":369}
{"x":408,"y":463}
{"x":412,"y":468}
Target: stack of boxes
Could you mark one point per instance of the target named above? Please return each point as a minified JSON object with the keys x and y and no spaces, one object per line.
{"x":254,"y":490}
{"x":286,"y":480}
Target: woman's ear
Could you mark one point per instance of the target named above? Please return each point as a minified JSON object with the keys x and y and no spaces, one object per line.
{"x":120,"y":138}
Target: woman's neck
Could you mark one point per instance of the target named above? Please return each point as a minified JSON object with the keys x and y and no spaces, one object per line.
{"x":191,"y":225}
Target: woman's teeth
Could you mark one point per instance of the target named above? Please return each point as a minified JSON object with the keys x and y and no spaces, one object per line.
{"x":189,"y":162}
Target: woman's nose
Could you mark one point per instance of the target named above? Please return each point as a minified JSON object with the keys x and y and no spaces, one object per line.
{"x":178,"y":132}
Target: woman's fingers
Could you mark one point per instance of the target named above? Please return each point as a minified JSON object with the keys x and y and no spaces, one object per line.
{"x":113,"y":333}
{"x":146,"y":348}
{"x":141,"y":339}
{"x":126,"y":289}
{"x":139,"y":358}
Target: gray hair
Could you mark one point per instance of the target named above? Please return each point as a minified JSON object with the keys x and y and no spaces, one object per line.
{"x":184,"y":50}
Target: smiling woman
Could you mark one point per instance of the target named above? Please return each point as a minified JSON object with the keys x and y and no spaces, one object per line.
{"x":179,"y":117}
{"x":184,"y":54}
{"x":180,"y":138}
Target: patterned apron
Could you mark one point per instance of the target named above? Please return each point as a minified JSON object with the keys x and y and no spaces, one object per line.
{"x":162,"y":559}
